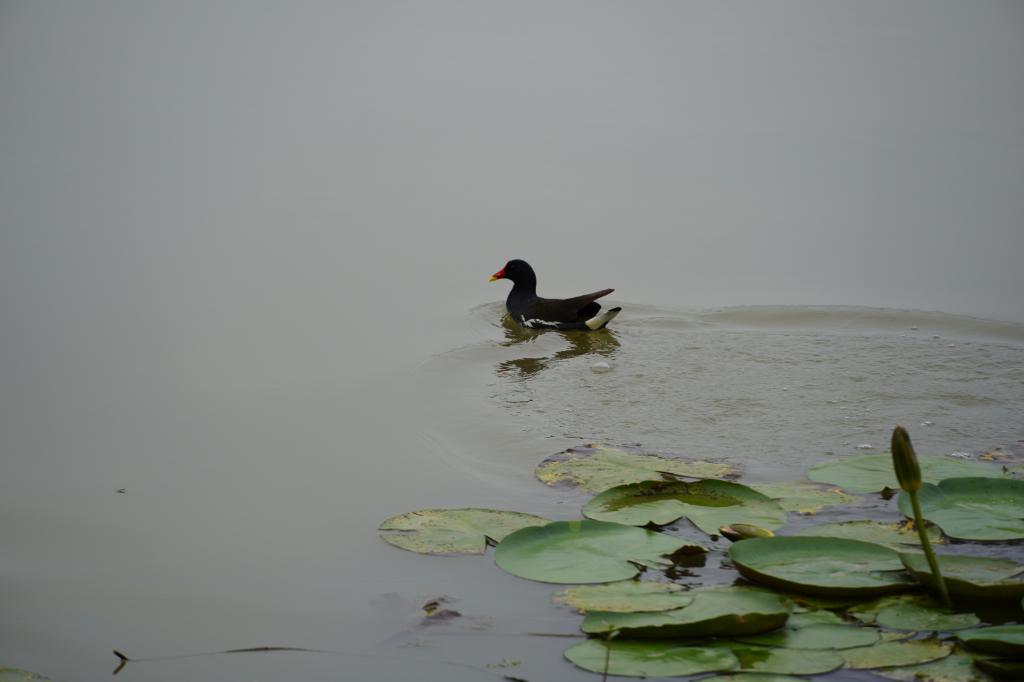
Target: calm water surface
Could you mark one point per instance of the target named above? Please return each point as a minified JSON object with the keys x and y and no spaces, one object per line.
{"x":243,"y":260}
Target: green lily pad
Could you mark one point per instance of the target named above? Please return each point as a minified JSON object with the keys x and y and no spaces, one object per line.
{"x":709,"y":504}
{"x":626,"y":596}
{"x":729,"y":611}
{"x":970,"y":577}
{"x":597,"y":467}
{"x":895,"y":654}
{"x":972,"y":508}
{"x":453,"y":531}
{"x":818,"y":565}
{"x":586,"y":551}
{"x":818,"y":636}
{"x":1002,"y":640}
{"x":15,"y":675}
{"x":648,"y":659}
{"x":806,"y":618}
{"x":879,"y":532}
{"x":913,"y":612}
{"x":922,"y":618}
{"x":956,"y":667}
{"x":873,"y":473}
{"x":762,"y":659}
{"x":803,"y":497}
{"x":753,"y":677}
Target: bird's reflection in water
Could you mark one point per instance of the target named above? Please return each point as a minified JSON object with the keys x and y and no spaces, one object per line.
{"x":601,"y":342}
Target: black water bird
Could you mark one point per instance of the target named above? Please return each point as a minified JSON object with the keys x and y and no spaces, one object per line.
{"x":534,"y":312}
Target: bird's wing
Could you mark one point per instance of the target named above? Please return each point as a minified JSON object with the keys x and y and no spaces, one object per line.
{"x":577,"y":308}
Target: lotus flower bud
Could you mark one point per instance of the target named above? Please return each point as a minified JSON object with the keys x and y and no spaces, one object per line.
{"x":904,"y":461}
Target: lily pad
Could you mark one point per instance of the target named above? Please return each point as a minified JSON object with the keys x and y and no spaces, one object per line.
{"x":453,"y":531}
{"x":1002,"y":640}
{"x":803,"y":497}
{"x":818,"y":565}
{"x":15,"y":675}
{"x":873,"y":473}
{"x":597,"y":467}
{"x":807,"y":618}
{"x":913,"y":612}
{"x":895,"y":654}
{"x":922,"y":618}
{"x":752,"y":677}
{"x":709,"y":504}
{"x":972,"y":508}
{"x":818,"y":636}
{"x":762,"y":659}
{"x":626,"y":596}
{"x":970,"y":577}
{"x":586,"y":551}
{"x":648,"y":659}
{"x":879,"y":532}
{"x":956,"y":667}
{"x":729,"y":611}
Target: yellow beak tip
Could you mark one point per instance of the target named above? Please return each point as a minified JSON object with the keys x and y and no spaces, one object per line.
{"x":493,"y":279}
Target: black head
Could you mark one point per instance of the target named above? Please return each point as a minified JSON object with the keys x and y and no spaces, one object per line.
{"x":519,"y":271}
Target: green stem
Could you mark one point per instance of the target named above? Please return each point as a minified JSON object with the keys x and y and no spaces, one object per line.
{"x":926,"y":544}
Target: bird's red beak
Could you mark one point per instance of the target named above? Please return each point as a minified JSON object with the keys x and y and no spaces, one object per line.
{"x":500,"y":274}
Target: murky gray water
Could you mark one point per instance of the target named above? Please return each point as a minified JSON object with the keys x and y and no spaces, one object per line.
{"x":243,"y":261}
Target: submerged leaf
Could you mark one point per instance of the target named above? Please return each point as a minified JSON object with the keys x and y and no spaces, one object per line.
{"x":708,"y":504}
{"x":893,"y":654}
{"x":919,"y":617}
{"x":973,"y":508}
{"x":752,"y":677}
{"x":913,"y":612}
{"x":15,"y":675}
{"x":817,"y":636}
{"x":873,"y":473}
{"x":970,"y":577}
{"x":597,"y":467}
{"x":626,"y":596}
{"x":879,"y":532}
{"x":764,"y":659}
{"x":453,"y":531}
{"x":803,"y":497}
{"x":721,"y":612}
{"x":585,"y":551}
{"x":818,"y":565}
{"x":956,"y":667}
{"x":1003,"y":640}
{"x":648,"y":659}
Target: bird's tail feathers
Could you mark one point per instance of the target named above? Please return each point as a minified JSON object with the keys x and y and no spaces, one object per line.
{"x":599,"y":321}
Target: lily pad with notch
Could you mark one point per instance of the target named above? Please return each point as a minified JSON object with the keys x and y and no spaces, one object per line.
{"x":586,"y":551}
{"x":874,"y":473}
{"x":708,"y":504}
{"x":597,"y":467}
{"x":821,"y":565}
{"x":981,"y":509}
{"x":453,"y":531}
